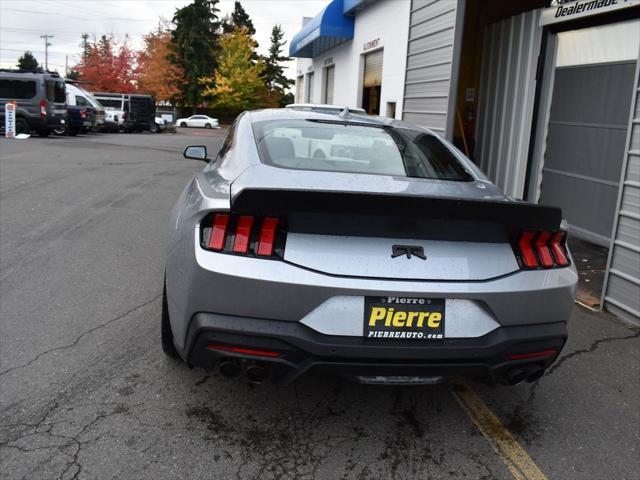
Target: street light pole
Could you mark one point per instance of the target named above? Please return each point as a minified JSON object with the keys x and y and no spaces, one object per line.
{"x":46,"y":49}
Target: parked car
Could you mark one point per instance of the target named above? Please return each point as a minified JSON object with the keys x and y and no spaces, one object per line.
{"x":200,"y":121}
{"x":78,"y":119}
{"x":136,"y":113}
{"x":322,"y":108}
{"x":39,"y":97}
{"x":78,"y":96}
{"x":402,"y":266}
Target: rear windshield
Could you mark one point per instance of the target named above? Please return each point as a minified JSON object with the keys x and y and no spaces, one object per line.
{"x":17,"y":89}
{"x":356,"y":148}
{"x":55,"y":91}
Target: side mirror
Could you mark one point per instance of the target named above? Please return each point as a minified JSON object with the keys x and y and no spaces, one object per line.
{"x":196,"y":152}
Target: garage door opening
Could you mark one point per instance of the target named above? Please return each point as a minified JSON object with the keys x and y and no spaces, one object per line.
{"x":372,"y":82}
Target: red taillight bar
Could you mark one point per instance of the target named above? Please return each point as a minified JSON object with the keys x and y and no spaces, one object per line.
{"x":267,"y":236}
{"x":557,"y":242}
{"x":543,"y":249}
{"x":243,"y":234}
{"x":43,"y":108}
{"x":528,"y":255}
{"x":525,"y":356}
{"x":244,"y":351}
{"x":218,"y":231}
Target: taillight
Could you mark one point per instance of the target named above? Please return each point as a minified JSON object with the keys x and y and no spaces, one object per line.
{"x":541,"y":250}
{"x":43,"y":108}
{"x":243,"y":235}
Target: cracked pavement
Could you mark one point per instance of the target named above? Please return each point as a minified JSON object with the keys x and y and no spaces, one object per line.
{"x":85,"y":391}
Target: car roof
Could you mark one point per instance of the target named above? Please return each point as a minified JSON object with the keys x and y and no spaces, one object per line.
{"x":292,"y":114}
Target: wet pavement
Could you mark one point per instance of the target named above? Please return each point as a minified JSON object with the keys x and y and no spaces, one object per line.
{"x":85,"y":391}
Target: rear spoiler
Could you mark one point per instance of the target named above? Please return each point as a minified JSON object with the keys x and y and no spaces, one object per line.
{"x":343,"y":213}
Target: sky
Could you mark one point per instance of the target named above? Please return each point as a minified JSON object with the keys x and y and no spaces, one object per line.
{"x":22,"y":22}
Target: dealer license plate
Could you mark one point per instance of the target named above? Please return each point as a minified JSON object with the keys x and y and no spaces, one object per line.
{"x":404,"y":318}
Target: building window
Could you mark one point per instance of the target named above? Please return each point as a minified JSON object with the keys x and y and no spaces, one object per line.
{"x":309,"y":98}
{"x":372,"y":82}
{"x":391,"y":109}
{"x":329,"y":74}
{"x":299,"y":89}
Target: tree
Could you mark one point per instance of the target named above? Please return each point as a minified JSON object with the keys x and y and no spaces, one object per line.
{"x":28,"y":62}
{"x":276,"y":81}
{"x":237,"y":84}
{"x":157,"y":76}
{"x":194,"y":45}
{"x":108,"y":66}
{"x":239,"y":18}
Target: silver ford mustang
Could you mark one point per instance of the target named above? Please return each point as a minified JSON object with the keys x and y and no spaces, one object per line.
{"x":364,"y":247}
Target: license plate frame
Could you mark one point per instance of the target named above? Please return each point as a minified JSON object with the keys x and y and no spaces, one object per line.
{"x":404,"y":318}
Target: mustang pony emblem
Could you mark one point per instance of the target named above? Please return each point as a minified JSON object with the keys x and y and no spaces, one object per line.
{"x":408,"y":250}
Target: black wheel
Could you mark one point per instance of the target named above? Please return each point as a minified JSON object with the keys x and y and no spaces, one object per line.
{"x":166,"y":335}
{"x":319,"y":154}
{"x":43,"y":133}
{"x":72,"y":132}
{"x":183,"y":124}
{"x":207,"y":125}
{"x":154,"y":128}
{"x":22,"y":126}
{"x":60,"y":131}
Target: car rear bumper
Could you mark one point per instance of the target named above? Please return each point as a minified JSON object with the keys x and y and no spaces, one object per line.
{"x":287,"y":350}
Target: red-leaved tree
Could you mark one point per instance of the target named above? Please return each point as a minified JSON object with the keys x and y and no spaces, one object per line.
{"x":156,"y":75}
{"x":108,"y":66}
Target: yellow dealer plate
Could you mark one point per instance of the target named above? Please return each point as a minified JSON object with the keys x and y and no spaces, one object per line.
{"x":404,"y":318}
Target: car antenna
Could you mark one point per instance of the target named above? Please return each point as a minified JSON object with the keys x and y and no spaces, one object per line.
{"x":345,"y":112}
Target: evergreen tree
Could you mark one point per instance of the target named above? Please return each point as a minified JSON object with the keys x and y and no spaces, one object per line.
{"x":85,"y":45}
{"x":239,"y":18}
{"x":277,"y":82}
{"x":28,"y":62}
{"x":194,"y":46}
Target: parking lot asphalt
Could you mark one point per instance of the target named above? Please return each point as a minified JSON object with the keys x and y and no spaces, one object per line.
{"x":86,"y":392}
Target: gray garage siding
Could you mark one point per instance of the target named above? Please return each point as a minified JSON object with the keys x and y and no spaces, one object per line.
{"x":430,"y":54}
{"x":622,"y":287}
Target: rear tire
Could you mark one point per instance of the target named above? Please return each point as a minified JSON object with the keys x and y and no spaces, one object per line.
{"x":72,"y":132}
{"x":207,"y":125}
{"x":154,"y":128}
{"x":166,"y":335}
{"x":22,"y":126}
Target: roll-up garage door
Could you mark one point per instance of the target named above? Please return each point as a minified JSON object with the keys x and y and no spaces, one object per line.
{"x":328,"y":86}
{"x":373,"y":69}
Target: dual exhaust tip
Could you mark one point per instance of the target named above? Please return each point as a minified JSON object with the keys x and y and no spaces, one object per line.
{"x":255,"y":372}
{"x":521,"y":374}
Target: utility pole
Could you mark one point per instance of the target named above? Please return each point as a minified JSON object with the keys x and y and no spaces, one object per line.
{"x":66,"y":65}
{"x":46,"y":50}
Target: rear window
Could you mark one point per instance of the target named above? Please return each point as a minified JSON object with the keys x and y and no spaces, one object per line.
{"x":55,"y":91}
{"x":17,"y":89}
{"x":356,"y":148}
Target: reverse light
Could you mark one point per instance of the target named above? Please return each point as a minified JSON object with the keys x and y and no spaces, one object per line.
{"x":542,"y":249}
{"x":243,"y":235}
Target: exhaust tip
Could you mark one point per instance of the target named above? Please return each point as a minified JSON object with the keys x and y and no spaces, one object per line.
{"x":516,"y":375}
{"x":535,"y":375}
{"x":229,"y":368}
{"x":257,"y":374}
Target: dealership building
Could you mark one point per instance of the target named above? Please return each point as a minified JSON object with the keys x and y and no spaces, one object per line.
{"x":542,"y":95}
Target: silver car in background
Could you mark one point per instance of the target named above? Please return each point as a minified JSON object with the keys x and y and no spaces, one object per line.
{"x":388,"y":259}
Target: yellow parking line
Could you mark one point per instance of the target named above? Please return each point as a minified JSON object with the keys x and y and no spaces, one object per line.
{"x":517,"y":460}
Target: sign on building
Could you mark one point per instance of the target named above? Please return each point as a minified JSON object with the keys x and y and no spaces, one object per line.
{"x":562,"y":11}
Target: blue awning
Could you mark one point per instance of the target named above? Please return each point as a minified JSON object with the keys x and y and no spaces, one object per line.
{"x":326,"y":30}
{"x":352,"y":6}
